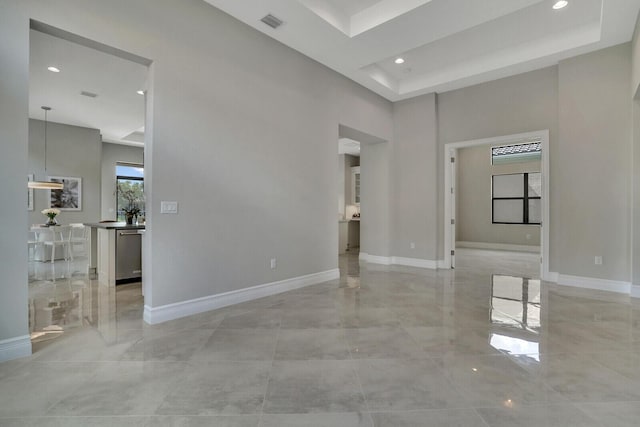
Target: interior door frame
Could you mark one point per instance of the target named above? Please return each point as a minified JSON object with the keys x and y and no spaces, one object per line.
{"x":450,"y":150}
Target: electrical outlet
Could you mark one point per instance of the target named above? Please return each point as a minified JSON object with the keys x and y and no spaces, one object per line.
{"x":528,"y":236}
{"x":598,"y":260}
{"x":273,"y":263}
{"x":412,"y":245}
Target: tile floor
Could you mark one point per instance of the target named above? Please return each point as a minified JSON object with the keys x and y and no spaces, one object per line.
{"x":382,"y":346}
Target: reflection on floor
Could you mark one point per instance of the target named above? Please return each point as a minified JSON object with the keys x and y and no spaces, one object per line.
{"x":63,"y":300}
{"x":59,"y":298}
{"x":486,"y":344}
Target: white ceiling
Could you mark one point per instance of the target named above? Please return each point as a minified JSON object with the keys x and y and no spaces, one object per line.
{"x":117,"y":111}
{"x":446,"y":44}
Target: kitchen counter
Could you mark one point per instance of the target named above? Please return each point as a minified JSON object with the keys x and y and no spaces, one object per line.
{"x":349,"y":219}
{"x":118,"y":251}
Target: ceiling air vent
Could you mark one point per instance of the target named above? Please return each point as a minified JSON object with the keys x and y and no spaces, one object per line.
{"x":89,"y":94}
{"x":272,"y":21}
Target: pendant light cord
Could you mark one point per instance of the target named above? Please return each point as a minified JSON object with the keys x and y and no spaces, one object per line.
{"x":46,"y":110}
{"x":45,"y":185}
{"x":45,"y":141}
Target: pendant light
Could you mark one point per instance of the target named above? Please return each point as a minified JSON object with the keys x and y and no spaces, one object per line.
{"x":45,"y":185}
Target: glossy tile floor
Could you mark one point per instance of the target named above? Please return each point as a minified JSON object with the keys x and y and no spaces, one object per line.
{"x":383,"y":346}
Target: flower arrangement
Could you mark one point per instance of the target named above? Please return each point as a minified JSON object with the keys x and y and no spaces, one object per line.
{"x":51,"y":214}
{"x":132,"y":209}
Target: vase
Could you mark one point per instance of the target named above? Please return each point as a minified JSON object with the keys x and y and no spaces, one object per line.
{"x":129,"y":219}
{"x":51,"y":222}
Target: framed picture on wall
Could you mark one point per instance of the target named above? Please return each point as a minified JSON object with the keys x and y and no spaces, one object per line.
{"x":30,"y":194}
{"x":70,"y":197}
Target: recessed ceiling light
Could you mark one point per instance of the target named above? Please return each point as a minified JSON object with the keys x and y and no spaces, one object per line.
{"x":399,"y":61}
{"x":53,"y":69}
{"x":140,"y":92}
{"x":560,"y":4}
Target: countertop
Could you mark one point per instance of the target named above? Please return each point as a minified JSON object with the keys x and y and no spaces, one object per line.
{"x":349,"y":220}
{"x":114,"y":225}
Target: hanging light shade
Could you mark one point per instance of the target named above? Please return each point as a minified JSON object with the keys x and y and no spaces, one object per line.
{"x":45,"y":185}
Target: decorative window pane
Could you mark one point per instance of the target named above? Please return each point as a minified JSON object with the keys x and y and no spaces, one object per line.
{"x":517,"y":153}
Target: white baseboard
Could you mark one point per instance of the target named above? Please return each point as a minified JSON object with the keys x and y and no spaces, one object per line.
{"x":593,"y":283}
{"x":415,"y":262}
{"x":635,"y":291}
{"x":375,"y":259}
{"x":14,"y":348}
{"x":498,"y":246}
{"x":396,"y":260}
{"x":551,"y":276}
{"x":164,"y":313}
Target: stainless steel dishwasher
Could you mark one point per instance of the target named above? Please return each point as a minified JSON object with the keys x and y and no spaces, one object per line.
{"x":128,"y":256}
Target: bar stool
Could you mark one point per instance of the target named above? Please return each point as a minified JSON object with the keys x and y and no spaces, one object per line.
{"x":79,"y":240}
{"x":58,"y":236}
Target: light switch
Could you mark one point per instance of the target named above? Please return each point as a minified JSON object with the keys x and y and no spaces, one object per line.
{"x":168,"y":207}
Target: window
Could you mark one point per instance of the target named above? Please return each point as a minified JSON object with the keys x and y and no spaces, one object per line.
{"x":129,"y":189}
{"x":516,"y":198}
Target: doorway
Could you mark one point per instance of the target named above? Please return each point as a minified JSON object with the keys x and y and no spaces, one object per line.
{"x":96,"y":103}
{"x":504,"y":208}
{"x":348,"y":196}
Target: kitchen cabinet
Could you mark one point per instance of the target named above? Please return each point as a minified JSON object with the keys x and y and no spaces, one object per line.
{"x":355,"y":185}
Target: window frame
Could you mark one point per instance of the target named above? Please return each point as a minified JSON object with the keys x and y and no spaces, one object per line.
{"x":525,"y":200}
{"x":129,"y":178}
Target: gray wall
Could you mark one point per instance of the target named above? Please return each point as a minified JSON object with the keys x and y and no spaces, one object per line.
{"x":14,"y":132}
{"x":635,"y":248}
{"x":635,"y":78}
{"x":522,"y":103}
{"x":594,"y":149}
{"x":635,"y":59}
{"x":473,"y":200}
{"x":71,"y":151}
{"x":375,"y":189}
{"x":112,"y":154}
{"x":232,"y":123}
{"x":415,"y":180}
